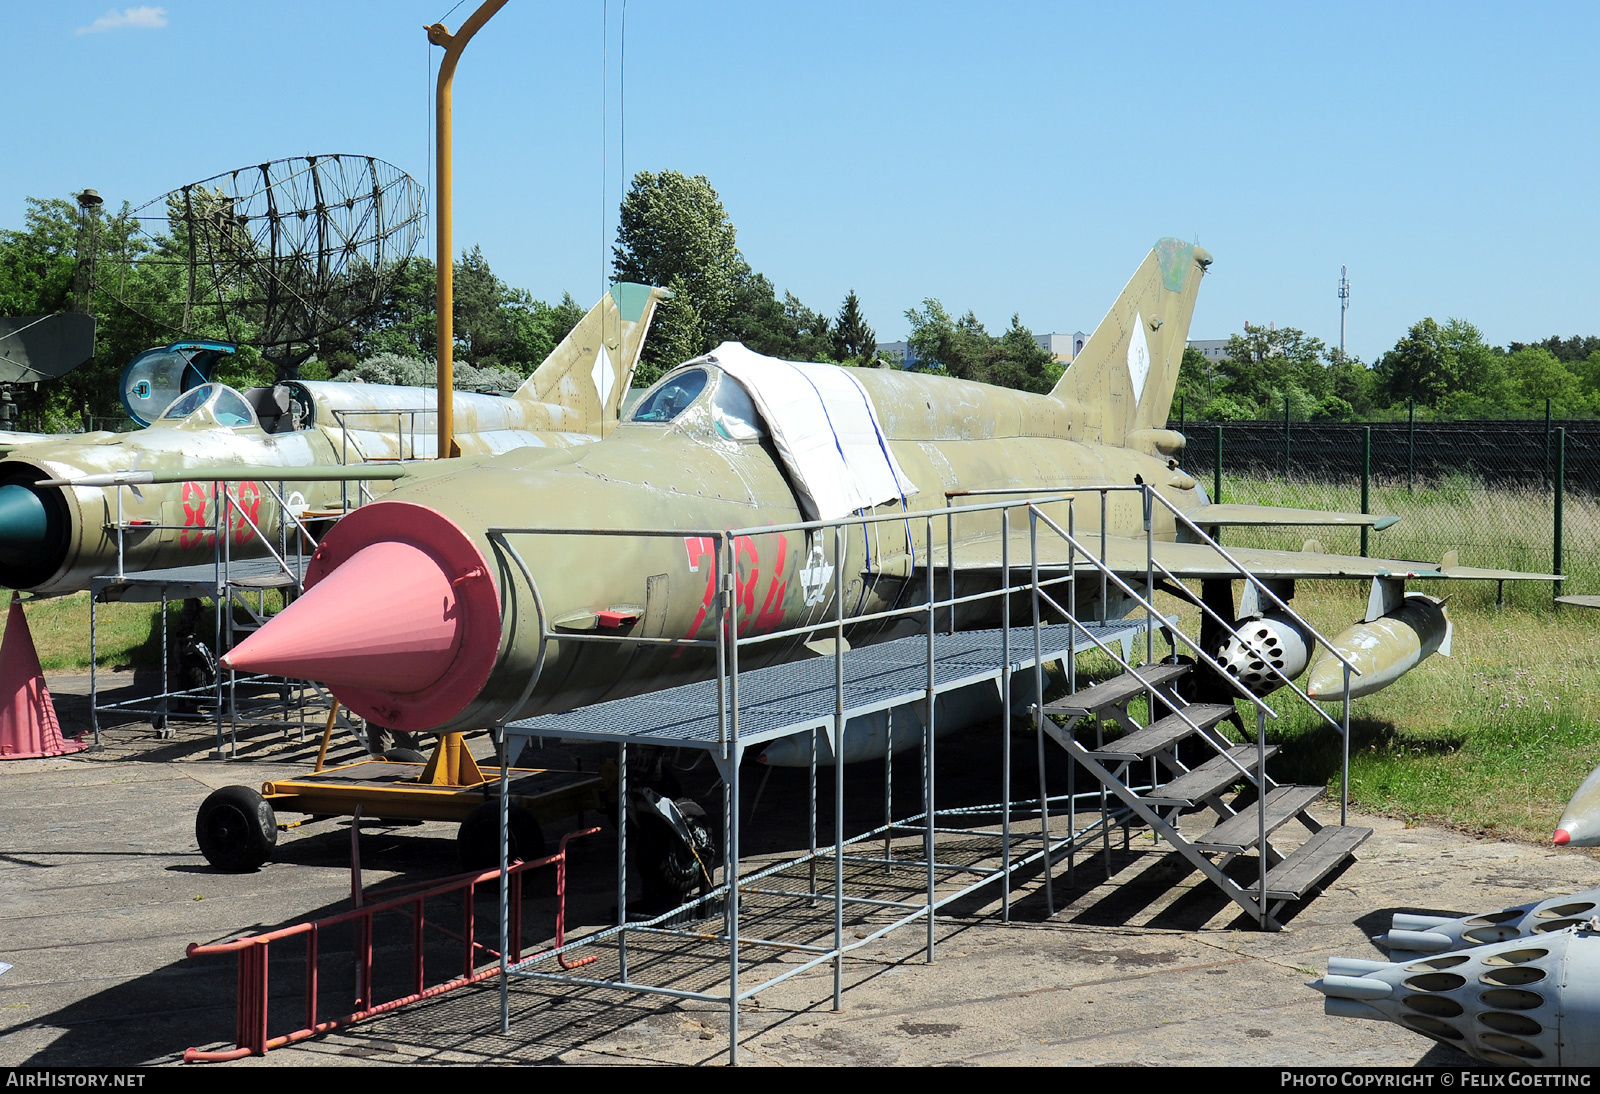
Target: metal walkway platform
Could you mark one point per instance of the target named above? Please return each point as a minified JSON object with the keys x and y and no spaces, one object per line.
{"x":199,"y":580}
{"x":799,"y":696}
{"x":232,"y":585}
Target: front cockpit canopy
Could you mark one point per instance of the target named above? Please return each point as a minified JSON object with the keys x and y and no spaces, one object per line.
{"x":732,"y":412}
{"x":212,"y":404}
{"x":282,"y":408}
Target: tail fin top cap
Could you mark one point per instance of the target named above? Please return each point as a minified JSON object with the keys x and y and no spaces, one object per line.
{"x":1176,"y":258}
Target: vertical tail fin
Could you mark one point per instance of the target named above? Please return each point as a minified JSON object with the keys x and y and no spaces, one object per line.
{"x":1124,"y":378}
{"x":592,"y":368}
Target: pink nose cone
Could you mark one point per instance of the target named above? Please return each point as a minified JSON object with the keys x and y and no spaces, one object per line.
{"x":400,"y":619}
{"x":1561,"y":838}
{"x":386,"y":619}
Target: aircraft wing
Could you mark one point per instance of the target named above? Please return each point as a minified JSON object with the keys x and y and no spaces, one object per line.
{"x":1208,"y":516}
{"x":1126,"y":556}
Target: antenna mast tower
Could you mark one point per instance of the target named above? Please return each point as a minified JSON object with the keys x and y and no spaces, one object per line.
{"x":1344,"y":305}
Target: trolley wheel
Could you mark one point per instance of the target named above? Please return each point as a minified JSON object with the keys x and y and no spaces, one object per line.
{"x":236,"y":829}
{"x":478,"y":841}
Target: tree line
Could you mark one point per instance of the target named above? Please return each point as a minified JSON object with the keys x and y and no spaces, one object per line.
{"x":673,"y":231}
{"x":1437,"y":370}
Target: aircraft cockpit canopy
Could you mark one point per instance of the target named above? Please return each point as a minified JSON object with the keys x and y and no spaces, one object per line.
{"x":212,"y":404}
{"x":670,"y":397}
{"x":733,"y":413}
{"x":156,"y":377}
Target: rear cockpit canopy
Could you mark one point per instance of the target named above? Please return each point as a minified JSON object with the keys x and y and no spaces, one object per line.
{"x":282,"y":408}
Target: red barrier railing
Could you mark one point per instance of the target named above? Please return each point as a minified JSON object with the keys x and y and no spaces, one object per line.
{"x":251,"y":1025}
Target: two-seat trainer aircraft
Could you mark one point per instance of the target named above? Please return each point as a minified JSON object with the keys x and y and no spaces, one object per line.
{"x":64,"y":501}
{"x":415,"y":621}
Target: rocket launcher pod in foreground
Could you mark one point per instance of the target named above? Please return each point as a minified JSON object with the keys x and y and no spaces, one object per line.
{"x":1399,"y":632}
{"x":1416,"y":936}
{"x":1580,"y":821}
{"x":1525,"y":1002}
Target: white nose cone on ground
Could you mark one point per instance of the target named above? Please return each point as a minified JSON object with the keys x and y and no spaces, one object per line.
{"x":1580,"y":822}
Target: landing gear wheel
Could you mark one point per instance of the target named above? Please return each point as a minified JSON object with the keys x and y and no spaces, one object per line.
{"x":407,"y":756}
{"x":478,"y":841}
{"x":197,"y":665}
{"x":670,"y":866}
{"x":236,"y":829}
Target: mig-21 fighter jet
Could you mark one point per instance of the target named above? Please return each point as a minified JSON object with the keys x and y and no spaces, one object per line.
{"x":416,"y":620}
{"x":67,"y":504}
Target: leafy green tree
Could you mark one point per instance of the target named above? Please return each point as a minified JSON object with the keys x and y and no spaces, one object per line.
{"x":942,"y":344}
{"x":38,"y":268}
{"x":1432,"y":363}
{"x":391,"y":368}
{"x":672,"y":229}
{"x":965,"y":350}
{"x":1537,"y":374}
{"x":677,"y":334}
{"x":1354,"y":385}
{"x":1569,"y":350}
{"x":1197,"y":384}
{"x":1266,"y":363}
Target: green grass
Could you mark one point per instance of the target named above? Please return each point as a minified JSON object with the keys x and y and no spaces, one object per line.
{"x":1490,"y":527}
{"x":128,"y":635}
{"x":1493,"y":739}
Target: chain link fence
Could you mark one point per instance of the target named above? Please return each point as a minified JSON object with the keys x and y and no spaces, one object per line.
{"x":1522,"y":495}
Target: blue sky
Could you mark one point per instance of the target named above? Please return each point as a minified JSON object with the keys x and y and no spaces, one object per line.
{"x":1005,"y":157}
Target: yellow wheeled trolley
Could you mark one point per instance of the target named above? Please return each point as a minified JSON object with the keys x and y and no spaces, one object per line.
{"x":237,"y":827}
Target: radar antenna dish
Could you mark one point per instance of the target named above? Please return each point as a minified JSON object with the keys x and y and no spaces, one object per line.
{"x":272,"y":256}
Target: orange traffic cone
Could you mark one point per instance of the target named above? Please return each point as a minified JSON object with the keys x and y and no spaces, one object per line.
{"x":28,"y":725}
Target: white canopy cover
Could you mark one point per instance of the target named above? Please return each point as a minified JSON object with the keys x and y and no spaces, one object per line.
{"x":825,"y":428}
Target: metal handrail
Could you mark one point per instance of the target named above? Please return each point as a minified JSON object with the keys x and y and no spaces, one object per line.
{"x":1277,"y":672}
{"x":1127,"y":590}
{"x":1252,"y":579}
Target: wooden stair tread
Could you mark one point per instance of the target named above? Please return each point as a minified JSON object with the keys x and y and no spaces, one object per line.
{"x":1314,"y":860}
{"x":1242,"y":831}
{"x":1210,"y":778}
{"x":1118,"y":689}
{"x":1162,"y":733}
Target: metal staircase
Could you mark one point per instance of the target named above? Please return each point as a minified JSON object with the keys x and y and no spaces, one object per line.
{"x":1180,"y":774}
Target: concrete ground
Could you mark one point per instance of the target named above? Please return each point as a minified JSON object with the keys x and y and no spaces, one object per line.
{"x":101,"y":888}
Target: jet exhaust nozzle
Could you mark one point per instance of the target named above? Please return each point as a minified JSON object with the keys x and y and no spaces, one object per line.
{"x":33,"y":534}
